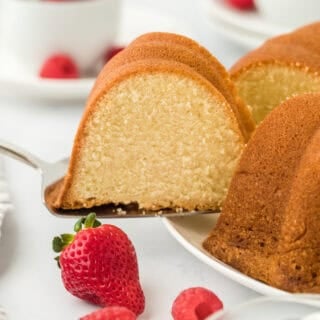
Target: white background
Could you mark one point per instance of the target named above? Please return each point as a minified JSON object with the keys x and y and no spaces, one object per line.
{"x":30,"y":285}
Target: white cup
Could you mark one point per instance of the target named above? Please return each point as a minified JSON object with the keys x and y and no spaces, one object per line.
{"x":289,"y":13}
{"x":32,"y":30}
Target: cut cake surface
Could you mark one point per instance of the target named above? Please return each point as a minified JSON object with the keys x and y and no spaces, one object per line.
{"x":282,"y":67}
{"x":156,"y":133}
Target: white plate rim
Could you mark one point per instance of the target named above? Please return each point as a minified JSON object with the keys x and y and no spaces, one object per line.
{"x":298,"y":299}
{"x":5,"y":202}
{"x":48,"y":88}
{"x":221,"y":267}
{"x":235,"y":34}
{"x":251,"y":21}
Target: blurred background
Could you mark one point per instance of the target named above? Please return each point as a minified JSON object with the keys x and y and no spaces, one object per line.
{"x":43,"y":42}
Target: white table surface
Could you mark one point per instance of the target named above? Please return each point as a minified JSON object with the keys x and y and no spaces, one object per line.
{"x":30,"y":285}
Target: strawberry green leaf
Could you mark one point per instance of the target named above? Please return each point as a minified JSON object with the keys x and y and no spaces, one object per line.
{"x":67,"y":238}
{"x":57,"y":258}
{"x":78,"y":225}
{"x":96,"y":224}
{"x":57,"y":244}
{"x":90,"y":219}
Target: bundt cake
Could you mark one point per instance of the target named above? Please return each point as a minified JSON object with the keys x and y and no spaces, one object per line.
{"x":282,"y":67}
{"x":269,"y":225}
{"x":155,"y":132}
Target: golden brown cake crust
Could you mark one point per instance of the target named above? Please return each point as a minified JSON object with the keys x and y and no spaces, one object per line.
{"x":179,"y":53}
{"x":110,"y":79}
{"x":269,"y":224}
{"x":299,"y":49}
{"x":206,"y":64}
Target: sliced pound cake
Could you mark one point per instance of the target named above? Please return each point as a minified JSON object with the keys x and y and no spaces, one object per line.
{"x":284,"y":66}
{"x":156,"y":133}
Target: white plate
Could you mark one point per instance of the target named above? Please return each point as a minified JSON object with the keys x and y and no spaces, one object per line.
{"x":243,"y":37}
{"x":280,"y":308}
{"x":191,"y":232}
{"x":134,"y":21}
{"x":246,"y":27}
{"x":5,"y":203}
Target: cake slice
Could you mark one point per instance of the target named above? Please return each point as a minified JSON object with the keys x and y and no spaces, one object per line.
{"x":269,"y":226}
{"x":155,"y":133}
{"x":284,"y":66}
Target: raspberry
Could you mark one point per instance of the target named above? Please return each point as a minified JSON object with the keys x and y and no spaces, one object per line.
{"x":111,"y":313}
{"x":195,"y":304}
{"x":241,"y":4}
{"x":112,"y":52}
{"x":59,"y":66}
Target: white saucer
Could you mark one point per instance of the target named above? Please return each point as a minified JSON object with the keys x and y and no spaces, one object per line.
{"x":246,"y":27}
{"x":191,"y":231}
{"x":135,"y":21}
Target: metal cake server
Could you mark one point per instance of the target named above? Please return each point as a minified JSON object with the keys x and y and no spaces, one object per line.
{"x":51,"y":173}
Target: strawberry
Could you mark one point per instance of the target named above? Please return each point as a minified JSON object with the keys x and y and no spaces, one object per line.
{"x":99,"y":265}
{"x":195,"y":304}
{"x":111,"y":313}
{"x":241,"y":4}
{"x":111,"y":52}
{"x":59,"y":66}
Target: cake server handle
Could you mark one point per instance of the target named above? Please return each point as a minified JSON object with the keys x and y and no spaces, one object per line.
{"x":21,"y":155}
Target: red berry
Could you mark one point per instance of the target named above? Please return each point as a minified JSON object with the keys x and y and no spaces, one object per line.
{"x":99,"y":265}
{"x":112,"y":52}
{"x":111,"y":313}
{"x":59,"y":0}
{"x":241,"y":4}
{"x":59,"y":66}
{"x":195,"y":304}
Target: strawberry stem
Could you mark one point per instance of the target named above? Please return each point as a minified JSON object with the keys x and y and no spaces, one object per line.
{"x":87,"y":222}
